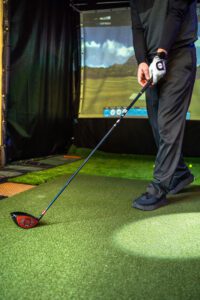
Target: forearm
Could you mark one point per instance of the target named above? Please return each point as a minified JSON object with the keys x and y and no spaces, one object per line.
{"x":139,"y":46}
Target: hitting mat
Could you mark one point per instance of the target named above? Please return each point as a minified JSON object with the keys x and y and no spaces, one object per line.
{"x":93,"y":245}
{"x":8,"y":189}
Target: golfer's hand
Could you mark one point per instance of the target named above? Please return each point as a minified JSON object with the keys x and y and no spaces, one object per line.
{"x":157,"y":69}
{"x":143,"y":74}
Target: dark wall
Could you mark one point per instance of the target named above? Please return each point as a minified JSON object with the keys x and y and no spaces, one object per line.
{"x":131,"y":136}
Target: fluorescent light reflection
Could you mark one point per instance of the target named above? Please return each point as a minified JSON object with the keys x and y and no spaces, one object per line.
{"x":169,"y":236}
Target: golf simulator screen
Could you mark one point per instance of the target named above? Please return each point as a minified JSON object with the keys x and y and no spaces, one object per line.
{"x":109,"y":67}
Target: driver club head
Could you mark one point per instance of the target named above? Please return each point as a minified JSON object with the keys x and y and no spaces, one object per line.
{"x":24,"y":220}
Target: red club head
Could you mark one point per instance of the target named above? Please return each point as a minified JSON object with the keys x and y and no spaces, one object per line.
{"x":24,"y":220}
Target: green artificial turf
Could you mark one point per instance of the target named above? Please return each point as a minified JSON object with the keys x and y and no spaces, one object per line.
{"x":93,"y":245}
{"x":105,"y":164}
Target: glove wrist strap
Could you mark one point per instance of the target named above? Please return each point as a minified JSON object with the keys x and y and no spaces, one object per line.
{"x":162,"y":55}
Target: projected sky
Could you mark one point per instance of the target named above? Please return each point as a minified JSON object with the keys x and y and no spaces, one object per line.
{"x":112,"y":45}
{"x":107,"y":46}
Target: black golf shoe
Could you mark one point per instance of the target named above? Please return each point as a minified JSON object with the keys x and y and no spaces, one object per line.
{"x":149,"y":202}
{"x":180,"y":183}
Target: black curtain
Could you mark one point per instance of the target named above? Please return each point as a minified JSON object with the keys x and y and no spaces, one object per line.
{"x":42,"y":89}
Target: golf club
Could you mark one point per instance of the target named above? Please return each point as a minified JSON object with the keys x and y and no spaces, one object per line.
{"x":28,"y":221}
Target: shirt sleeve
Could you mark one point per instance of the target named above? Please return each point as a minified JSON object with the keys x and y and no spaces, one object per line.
{"x":138,"y":35}
{"x":175,"y":17}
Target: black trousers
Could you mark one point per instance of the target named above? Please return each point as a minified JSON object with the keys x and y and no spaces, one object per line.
{"x":167,"y":105}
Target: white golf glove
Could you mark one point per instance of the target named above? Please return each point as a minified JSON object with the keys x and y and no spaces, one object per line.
{"x":157,"y":69}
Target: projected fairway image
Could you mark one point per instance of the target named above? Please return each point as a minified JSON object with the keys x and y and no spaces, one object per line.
{"x":109,"y":67}
{"x":113,"y":91}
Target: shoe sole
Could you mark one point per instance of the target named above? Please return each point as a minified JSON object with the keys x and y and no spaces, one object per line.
{"x":182,"y":185}
{"x":150,"y":207}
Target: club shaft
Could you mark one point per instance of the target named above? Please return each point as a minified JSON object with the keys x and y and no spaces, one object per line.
{"x":97,"y":146}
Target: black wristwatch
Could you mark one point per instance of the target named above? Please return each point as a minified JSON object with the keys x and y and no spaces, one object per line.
{"x":162,"y":55}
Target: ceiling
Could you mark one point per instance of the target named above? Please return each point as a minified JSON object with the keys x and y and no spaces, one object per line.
{"x":98,"y":4}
